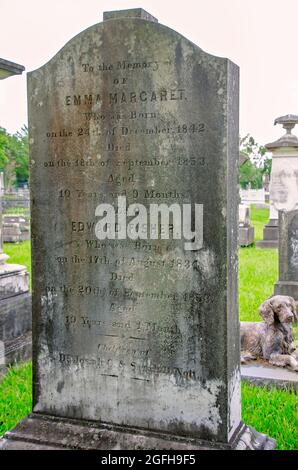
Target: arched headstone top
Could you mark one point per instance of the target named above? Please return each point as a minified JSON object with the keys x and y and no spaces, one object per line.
{"x":128,"y":25}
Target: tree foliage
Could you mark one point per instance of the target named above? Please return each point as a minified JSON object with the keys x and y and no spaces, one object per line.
{"x":257,"y":165}
{"x":14,"y":157}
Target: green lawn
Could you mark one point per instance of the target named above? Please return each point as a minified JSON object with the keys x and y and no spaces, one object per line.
{"x":19,"y":253}
{"x":258,"y":271}
{"x":15,"y":396}
{"x":273,"y":412}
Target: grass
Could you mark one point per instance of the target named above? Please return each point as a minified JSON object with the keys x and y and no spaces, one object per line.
{"x":19,"y":253}
{"x":16,"y":396}
{"x":16,"y":211}
{"x":273,"y":412}
{"x":258,"y":271}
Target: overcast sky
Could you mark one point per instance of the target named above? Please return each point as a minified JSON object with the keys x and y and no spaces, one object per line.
{"x":258,"y":35}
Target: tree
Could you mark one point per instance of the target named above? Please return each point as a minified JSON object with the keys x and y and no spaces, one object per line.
{"x":4,"y":144}
{"x":250,"y":176}
{"x":14,"y":157}
{"x":258,"y":163}
{"x":22,"y":155}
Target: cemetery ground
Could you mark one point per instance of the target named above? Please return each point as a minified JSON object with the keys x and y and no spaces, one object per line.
{"x":271,"y":411}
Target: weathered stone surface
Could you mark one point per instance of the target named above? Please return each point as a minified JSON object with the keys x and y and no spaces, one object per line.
{"x":11,"y":232}
{"x":15,"y":228}
{"x":40,"y":432}
{"x":288,"y":255}
{"x":246,"y":236}
{"x":7,"y":69}
{"x":283,"y":185}
{"x":270,"y":235}
{"x":130,"y":107}
{"x":136,"y":333}
{"x":270,"y":231}
{"x":131,"y":13}
{"x":15,"y":330}
{"x":14,"y":280}
{"x":284,"y":182}
{"x":261,"y":374}
{"x":246,"y":231}
{"x":244,"y":215}
{"x":253,"y":196}
{"x":15,"y":351}
{"x":15,"y":317}
{"x":23,"y":225}
{"x":3,"y":257}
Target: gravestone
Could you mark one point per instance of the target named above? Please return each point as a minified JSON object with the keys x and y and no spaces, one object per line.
{"x":270,"y":231}
{"x":15,"y":300}
{"x":16,"y":228}
{"x":266,"y":185}
{"x":246,"y":230}
{"x":3,"y":257}
{"x":15,"y":311}
{"x":253,"y":196}
{"x":288,"y":255}
{"x":284,"y":196}
{"x":136,"y":339}
{"x":11,"y":232}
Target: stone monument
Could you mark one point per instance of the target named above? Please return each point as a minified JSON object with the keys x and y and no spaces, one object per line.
{"x":270,"y":231}
{"x":254,"y":196}
{"x":15,"y":300}
{"x":8,"y":69}
{"x":283,"y":179}
{"x":288,"y":255}
{"x":136,"y":330}
{"x":284,"y":194}
{"x":16,"y":228}
{"x":246,"y":230}
{"x":266,"y":185}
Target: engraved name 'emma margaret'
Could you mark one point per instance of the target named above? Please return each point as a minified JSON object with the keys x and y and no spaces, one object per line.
{"x":141,"y":96}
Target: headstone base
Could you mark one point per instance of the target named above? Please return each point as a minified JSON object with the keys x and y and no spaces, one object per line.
{"x":261,"y":244}
{"x":41,"y":432}
{"x":270,"y":235}
{"x":14,"y":280}
{"x":261,"y":374}
{"x":287,"y":288}
{"x":246,"y":235}
{"x":15,"y":351}
{"x":15,"y":330}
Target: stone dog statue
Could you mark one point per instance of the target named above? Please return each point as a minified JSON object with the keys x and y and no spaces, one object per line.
{"x":273,"y":339}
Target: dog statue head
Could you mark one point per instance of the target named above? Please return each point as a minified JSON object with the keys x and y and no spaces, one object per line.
{"x":279,"y":308}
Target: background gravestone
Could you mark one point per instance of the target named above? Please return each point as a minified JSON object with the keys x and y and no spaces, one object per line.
{"x":283,"y":182}
{"x":288,"y":255}
{"x":15,"y":300}
{"x":284,"y":195}
{"x":246,"y":230}
{"x":270,"y":231}
{"x":140,"y":334}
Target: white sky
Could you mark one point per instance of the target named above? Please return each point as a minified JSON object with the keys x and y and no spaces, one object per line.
{"x":258,"y":35}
